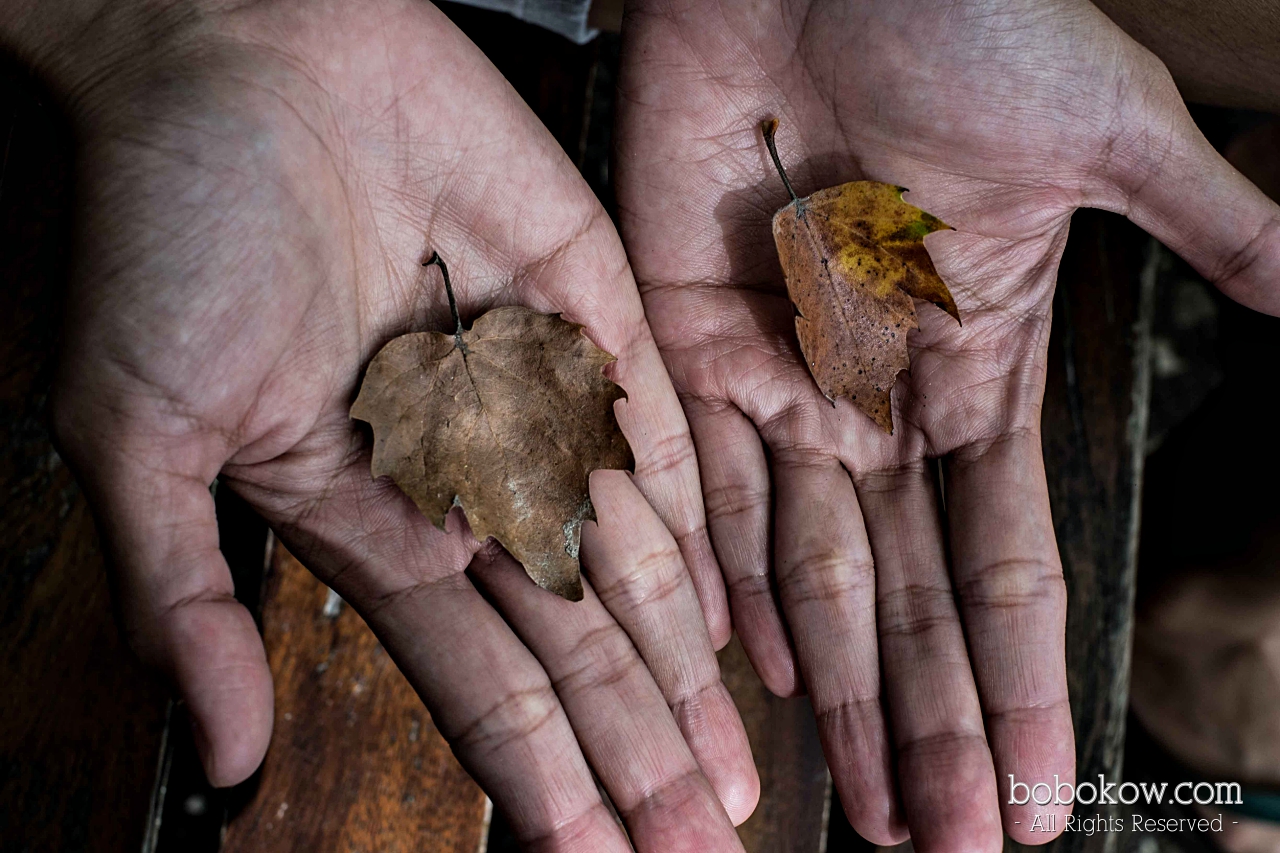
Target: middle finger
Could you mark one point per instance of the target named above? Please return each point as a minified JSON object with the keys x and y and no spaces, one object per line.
{"x":827,"y":588}
{"x":618,"y":714}
{"x":944,"y":763}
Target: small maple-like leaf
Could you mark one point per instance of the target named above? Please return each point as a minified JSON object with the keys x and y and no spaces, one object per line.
{"x":854,"y":259}
{"x":507,"y":420}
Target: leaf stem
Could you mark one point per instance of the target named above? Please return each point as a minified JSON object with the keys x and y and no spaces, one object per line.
{"x":769,"y":127}
{"x":436,"y":260}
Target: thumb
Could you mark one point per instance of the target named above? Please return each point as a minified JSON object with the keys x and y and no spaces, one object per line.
{"x":175,"y":596}
{"x":1183,"y":193}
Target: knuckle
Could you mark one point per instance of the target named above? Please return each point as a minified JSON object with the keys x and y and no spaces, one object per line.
{"x":689,"y":704}
{"x":605,"y":658}
{"x":920,"y":612}
{"x":890,"y":478}
{"x":155,"y":628}
{"x":826,"y":576}
{"x":747,"y":586}
{"x":665,"y":453}
{"x":1029,"y":711}
{"x":674,"y":793}
{"x":577,"y":832}
{"x":654,"y":577}
{"x":849,"y":712}
{"x":515,"y":716}
{"x":1015,"y":583}
{"x":732,"y":499}
{"x":941,"y":748}
{"x":996,"y":438}
{"x":390,"y":600}
{"x":807,"y":453}
{"x":1249,"y":255}
{"x":797,"y":435}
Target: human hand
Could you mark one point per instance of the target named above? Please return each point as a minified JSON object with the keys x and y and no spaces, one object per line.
{"x":1002,"y":118}
{"x":259,"y":185}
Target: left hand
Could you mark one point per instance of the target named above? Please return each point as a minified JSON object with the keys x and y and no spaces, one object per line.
{"x":1003,"y":117}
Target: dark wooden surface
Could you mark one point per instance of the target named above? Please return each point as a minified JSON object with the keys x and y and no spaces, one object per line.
{"x":355,"y":762}
{"x":80,"y":721}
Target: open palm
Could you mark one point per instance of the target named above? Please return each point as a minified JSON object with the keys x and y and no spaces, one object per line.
{"x":260,"y":187}
{"x":930,"y":638}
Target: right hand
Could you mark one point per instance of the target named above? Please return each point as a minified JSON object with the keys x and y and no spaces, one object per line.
{"x":259,"y":184}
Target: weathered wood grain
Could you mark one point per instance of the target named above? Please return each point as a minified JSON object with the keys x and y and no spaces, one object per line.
{"x":355,"y":762}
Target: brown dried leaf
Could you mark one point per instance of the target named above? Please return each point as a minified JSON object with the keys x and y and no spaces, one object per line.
{"x":854,"y":259}
{"x":507,"y":420}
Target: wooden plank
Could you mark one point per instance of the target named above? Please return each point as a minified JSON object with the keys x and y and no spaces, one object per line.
{"x":80,"y":720}
{"x":355,"y":762}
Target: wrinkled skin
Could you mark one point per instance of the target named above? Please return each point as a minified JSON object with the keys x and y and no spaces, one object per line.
{"x":259,"y":186}
{"x":931,"y":642}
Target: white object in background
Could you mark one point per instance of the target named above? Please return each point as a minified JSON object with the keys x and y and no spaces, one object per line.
{"x":566,"y":17}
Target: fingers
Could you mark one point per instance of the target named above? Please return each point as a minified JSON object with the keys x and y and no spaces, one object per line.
{"x":177,"y":602}
{"x":944,"y":766}
{"x":1187,"y":196}
{"x":636,"y":569}
{"x":827,"y":587}
{"x":619,"y":716}
{"x":735,"y":486}
{"x":493,"y":698}
{"x":494,"y":704}
{"x":667,"y":474}
{"x":486,"y":692}
{"x":1013,"y":601}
